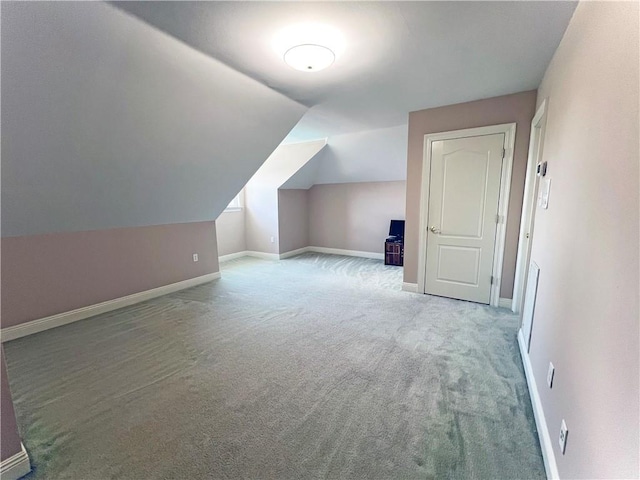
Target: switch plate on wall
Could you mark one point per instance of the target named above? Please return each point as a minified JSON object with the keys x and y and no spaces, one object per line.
{"x":273,"y":239}
{"x":195,"y":257}
{"x":550,"y":374}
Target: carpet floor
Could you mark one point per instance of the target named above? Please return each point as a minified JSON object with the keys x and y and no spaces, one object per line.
{"x":317,"y":366}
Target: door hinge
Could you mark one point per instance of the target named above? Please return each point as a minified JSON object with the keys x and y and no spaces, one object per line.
{"x":497,"y":218}
{"x":492,"y":279}
{"x":504,"y":152}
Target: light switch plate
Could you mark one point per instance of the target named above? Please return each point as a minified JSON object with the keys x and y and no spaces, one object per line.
{"x":543,"y":195}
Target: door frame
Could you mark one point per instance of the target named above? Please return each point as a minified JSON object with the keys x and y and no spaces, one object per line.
{"x":509,"y":131}
{"x":536,"y":139}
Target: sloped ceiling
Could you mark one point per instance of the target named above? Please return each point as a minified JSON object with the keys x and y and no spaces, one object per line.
{"x":398,"y":56}
{"x":108,"y":122}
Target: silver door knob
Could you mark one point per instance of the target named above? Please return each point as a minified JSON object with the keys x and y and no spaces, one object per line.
{"x":434,"y":230}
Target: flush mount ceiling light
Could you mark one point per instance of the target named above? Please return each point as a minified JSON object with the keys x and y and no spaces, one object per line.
{"x":309,"y":57}
{"x":308,"y":47}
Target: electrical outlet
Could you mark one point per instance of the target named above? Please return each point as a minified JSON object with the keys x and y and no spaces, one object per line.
{"x":550,"y":374}
{"x":195,"y":257}
{"x":564,"y":433}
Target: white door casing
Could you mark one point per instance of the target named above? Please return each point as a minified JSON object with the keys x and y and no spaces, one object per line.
{"x":451,"y":270}
{"x":527,"y":220}
{"x":464,"y":191}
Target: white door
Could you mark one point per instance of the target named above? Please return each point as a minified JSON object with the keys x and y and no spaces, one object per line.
{"x":464,"y":190}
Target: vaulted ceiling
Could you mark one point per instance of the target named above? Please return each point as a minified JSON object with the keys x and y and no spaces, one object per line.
{"x":144,"y":113}
{"x":398,"y":56}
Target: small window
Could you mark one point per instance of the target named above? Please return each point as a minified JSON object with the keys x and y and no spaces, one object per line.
{"x":235,"y":204}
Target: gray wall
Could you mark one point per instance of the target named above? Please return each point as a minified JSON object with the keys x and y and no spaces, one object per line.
{"x":108,"y":122}
{"x":293,"y":219}
{"x":586,"y":244}
{"x":354,"y":216}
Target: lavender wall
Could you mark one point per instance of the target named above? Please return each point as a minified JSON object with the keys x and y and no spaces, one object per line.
{"x":586,"y":245}
{"x":293,"y":219}
{"x":10,"y":442}
{"x":47,"y":274}
{"x":230,"y":232}
{"x":519,"y":108}
{"x":354,"y":216}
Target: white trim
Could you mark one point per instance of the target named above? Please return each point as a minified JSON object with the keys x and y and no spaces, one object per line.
{"x":293,"y":253}
{"x":348,"y":253}
{"x":15,"y":466}
{"x":538,"y":126}
{"x":42,"y":324}
{"x":262,"y":255}
{"x":410,"y":287}
{"x":505,"y":303}
{"x":509,"y":131}
{"x":546,"y":444}
{"x":232,"y":256}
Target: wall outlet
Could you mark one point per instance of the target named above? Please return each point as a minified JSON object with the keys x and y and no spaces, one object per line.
{"x":564,"y":433}
{"x":273,"y":239}
{"x":195,"y":257}
{"x":550,"y":374}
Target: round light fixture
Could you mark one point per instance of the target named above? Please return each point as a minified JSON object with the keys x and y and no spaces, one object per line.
{"x":309,"y":57}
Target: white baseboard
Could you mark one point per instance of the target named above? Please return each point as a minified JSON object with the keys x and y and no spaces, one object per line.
{"x":546,"y":444}
{"x":293,"y":253}
{"x":505,"y":303}
{"x":16,"y":466}
{"x":231,"y":256}
{"x":348,"y":253}
{"x":41,"y":324}
{"x":410,"y":287}
{"x":262,"y":255}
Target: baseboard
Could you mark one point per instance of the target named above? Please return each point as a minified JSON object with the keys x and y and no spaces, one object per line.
{"x":232,"y":256}
{"x":546,"y":444}
{"x":262,"y":255}
{"x":505,"y":303}
{"x":42,"y":324}
{"x":410,"y":287}
{"x":16,"y":466}
{"x":293,"y":253}
{"x":348,"y":253}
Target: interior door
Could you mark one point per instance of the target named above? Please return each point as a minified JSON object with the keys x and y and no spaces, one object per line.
{"x":464,"y":190}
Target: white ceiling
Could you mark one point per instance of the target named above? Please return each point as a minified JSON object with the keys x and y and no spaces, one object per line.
{"x":398,"y":57}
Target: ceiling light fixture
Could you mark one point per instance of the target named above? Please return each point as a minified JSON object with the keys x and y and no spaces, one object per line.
{"x":309,"y":57}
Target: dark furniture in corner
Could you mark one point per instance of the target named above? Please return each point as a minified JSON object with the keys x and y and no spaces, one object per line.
{"x":394,"y":244}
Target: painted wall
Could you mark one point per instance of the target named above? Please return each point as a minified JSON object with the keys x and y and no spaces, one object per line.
{"x":108,"y":122}
{"x":261,"y":193}
{"x":230,"y":232}
{"x":293,"y":219}
{"x":354,"y":216}
{"x":47,"y":274}
{"x":519,"y":108}
{"x":369,"y":156}
{"x":10,"y":444}
{"x":586,"y":244}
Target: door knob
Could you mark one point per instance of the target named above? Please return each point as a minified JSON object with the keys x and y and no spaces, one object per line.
{"x":434,"y":230}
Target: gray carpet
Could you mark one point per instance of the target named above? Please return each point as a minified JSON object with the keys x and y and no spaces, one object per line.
{"x":313,"y":367}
